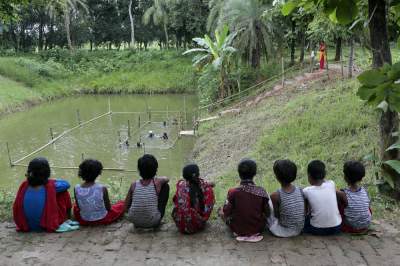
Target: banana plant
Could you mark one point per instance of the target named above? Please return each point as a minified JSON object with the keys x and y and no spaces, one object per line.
{"x":216,"y":54}
{"x":381,"y":89}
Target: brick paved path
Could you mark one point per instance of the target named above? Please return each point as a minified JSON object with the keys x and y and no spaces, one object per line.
{"x":118,"y":245}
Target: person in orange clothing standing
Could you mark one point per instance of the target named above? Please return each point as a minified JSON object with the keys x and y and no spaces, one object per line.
{"x":322,"y":55}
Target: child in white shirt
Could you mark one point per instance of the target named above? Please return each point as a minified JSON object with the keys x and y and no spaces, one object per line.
{"x":324,"y":217}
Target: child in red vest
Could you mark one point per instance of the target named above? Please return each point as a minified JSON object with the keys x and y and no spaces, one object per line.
{"x":41,"y":204}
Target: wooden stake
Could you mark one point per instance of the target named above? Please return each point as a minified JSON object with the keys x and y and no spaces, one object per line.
{"x":78,"y":116}
{"x":109,"y":104}
{"x":9,"y":156}
{"x":119,"y":136}
{"x":51,"y":133}
{"x":83,"y":156}
{"x":139,"y":121}
{"x":184,"y":108}
{"x":149,"y":110}
{"x":129,"y":129}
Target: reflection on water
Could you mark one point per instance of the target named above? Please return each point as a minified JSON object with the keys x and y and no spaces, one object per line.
{"x":104,"y":139}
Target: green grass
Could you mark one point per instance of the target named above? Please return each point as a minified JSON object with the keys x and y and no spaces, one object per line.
{"x":326,"y":122}
{"x":58,"y":73}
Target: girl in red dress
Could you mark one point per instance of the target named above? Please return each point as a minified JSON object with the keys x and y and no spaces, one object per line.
{"x":193,"y":201}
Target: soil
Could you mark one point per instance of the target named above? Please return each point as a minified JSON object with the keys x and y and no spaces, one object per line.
{"x":118,"y":245}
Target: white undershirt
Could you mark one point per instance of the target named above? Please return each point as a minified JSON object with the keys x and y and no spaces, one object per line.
{"x":323,"y":204}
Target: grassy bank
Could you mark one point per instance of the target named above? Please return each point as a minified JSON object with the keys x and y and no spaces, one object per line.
{"x":36,"y":77}
{"x":324,"y":121}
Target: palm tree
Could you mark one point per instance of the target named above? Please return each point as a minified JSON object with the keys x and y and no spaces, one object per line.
{"x":66,"y":6}
{"x":216,"y":54}
{"x":158,"y":12}
{"x":245,"y":17}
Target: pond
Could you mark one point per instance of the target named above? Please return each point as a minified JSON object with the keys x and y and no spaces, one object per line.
{"x":103,"y":139}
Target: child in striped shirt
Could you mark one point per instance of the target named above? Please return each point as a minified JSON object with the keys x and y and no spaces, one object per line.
{"x":287,"y":219}
{"x":354,"y":203}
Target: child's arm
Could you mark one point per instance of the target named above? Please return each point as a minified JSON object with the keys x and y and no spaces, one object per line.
{"x":275,"y":203}
{"x":128,"y":198}
{"x":106,"y":199}
{"x":307,"y":208}
{"x":341,"y":199}
{"x":267,"y":210}
{"x":227,"y":209}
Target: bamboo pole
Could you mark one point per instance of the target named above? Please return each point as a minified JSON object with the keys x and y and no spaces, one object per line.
{"x":77,"y":168}
{"x":109,"y":104}
{"x":9,"y":156}
{"x":283,"y":72}
{"x":58,"y":137}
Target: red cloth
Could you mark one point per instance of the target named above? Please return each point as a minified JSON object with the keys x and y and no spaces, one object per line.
{"x":116,"y":212}
{"x":190,"y":219}
{"x":245,"y":212}
{"x":55,"y":210}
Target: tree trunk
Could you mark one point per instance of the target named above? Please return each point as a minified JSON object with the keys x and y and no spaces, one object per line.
{"x":338,"y":48}
{"x":302,"y":46}
{"x":389,"y":121}
{"x":67,"y":22}
{"x":293,"y":44}
{"x":351,"y":57}
{"x":132,"y":44}
{"x":255,"y":58}
{"x":166,"y":35}
{"x":41,"y":33}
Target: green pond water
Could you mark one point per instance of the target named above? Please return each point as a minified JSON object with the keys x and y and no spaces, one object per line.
{"x":29,"y":130}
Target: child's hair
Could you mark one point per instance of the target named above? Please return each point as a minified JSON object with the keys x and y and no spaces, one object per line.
{"x":316,"y":170}
{"x":354,"y":171}
{"x":285,"y":171}
{"x":90,"y":169}
{"x":147,"y":166}
{"x":191,"y":173}
{"x":247,"y":169}
{"x":38,"y":172}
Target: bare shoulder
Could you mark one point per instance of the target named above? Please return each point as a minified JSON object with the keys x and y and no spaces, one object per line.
{"x":274,"y":196}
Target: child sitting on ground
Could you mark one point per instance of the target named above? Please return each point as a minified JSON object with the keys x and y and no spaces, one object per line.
{"x":147,"y":198}
{"x":41,"y":204}
{"x":193,"y":201}
{"x":354,"y":203}
{"x":287,"y":219}
{"x":246,"y":208}
{"x":321,"y":201}
{"x":93,"y":205}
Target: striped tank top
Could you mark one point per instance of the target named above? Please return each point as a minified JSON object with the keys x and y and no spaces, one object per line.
{"x":291,"y":209}
{"x":144,"y":208}
{"x":357,"y":213}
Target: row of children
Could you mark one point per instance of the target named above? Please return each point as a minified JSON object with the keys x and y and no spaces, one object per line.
{"x":43,"y":204}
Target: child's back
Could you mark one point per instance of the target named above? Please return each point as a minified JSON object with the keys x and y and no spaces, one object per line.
{"x":321,"y":197}
{"x":357,"y":213}
{"x":287,"y":202}
{"x":93,"y":206}
{"x":323,"y":205}
{"x":91,"y":202}
{"x":291,"y":209}
{"x":354,"y":203}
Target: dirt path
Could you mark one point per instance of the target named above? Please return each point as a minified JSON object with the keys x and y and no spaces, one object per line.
{"x":117,"y":245}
